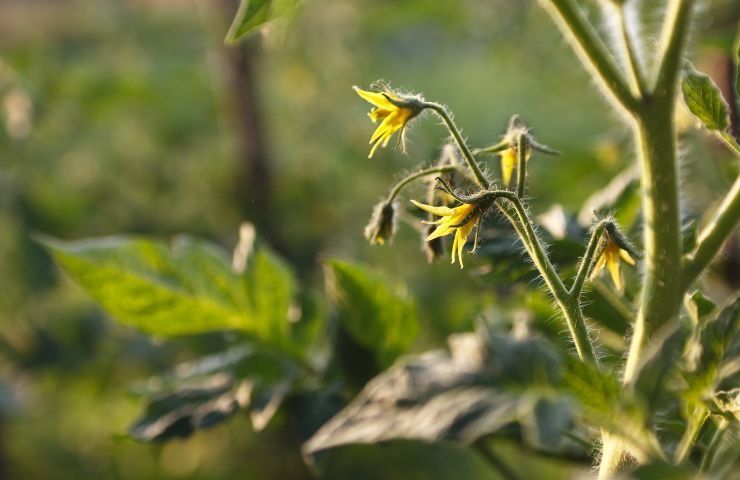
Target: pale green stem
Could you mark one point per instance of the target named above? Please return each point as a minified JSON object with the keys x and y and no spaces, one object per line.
{"x":416,"y":175}
{"x":673,"y":39}
{"x":469,"y":158}
{"x":568,"y":304}
{"x":713,"y":236}
{"x":522,"y":172}
{"x":591,"y":50}
{"x":637,"y":78}
{"x":587,"y":260}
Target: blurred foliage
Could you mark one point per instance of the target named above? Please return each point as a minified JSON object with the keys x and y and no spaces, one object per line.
{"x":122,"y":117}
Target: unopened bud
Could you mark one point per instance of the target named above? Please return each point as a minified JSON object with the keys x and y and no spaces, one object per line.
{"x":382,"y":224}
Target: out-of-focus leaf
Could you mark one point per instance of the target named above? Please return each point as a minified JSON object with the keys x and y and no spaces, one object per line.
{"x":659,"y":361}
{"x":460,"y":395}
{"x":688,"y":236}
{"x":727,"y":404}
{"x":377,"y":314}
{"x":603,"y":401}
{"x":698,"y":307}
{"x":179,"y":414}
{"x":705,"y":354}
{"x":620,"y":197}
{"x":704,"y":99}
{"x":187,"y":289}
{"x":661,"y":470}
{"x":253,"y":14}
{"x":199,"y":393}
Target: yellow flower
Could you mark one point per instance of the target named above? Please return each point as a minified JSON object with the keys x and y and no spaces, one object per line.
{"x":610,"y":258}
{"x":509,"y":161}
{"x":459,"y":220}
{"x":391,"y":116}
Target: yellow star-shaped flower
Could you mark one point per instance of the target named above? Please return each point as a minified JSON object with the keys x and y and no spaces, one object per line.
{"x":391,"y":116}
{"x":610,"y":257}
{"x":459,"y":220}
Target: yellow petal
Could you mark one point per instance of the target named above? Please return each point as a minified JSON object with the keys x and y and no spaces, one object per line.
{"x":377,"y":99}
{"x":627,"y":257}
{"x":600,"y":264}
{"x":454,"y":250}
{"x":440,"y":231}
{"x":461,"y":238}
{"x":439,"y":211}
{"x":613,"y":264}
{"x":508,"y":162}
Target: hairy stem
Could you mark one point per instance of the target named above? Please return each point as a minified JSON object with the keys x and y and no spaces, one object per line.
{"x":462,"y":145}
{"x":522,"y":172}
{"x":637,"y":78}
{"x":567,"y":303}
{"x":591,"y":50}
{"x":587,"y":260}
{"x":713,"y":236}
{"x":673,"y":40}
{"x":415,"y":176}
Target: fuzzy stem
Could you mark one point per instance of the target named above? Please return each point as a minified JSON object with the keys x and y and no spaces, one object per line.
{"x":416,"y":175}
{"x":469,"y":158}
{"x":673,"y":40}
{"x":696,"y":420}
{"x":637,"y":78}
{"x":567,"y":303}
{"x":522,"y":172}
{"x":587,"y":259}
{"x":591,"y":50}
{"x":713,"y":236}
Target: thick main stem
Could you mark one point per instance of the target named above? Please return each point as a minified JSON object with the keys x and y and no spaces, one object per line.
{"x":661,"y":292}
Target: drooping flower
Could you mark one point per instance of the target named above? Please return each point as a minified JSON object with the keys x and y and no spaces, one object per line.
{"x":610,"y":257}
{"x":382,"y":224}
{"x":510,"y":161}
{"x":459,"y":221}
{"x":393,"y":112}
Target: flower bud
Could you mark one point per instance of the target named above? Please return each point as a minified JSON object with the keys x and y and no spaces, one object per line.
{"x":382,"y":224}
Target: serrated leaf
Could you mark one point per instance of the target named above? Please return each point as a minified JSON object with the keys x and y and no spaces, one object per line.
{"x":253,"y":14}
{"x":704,"y":99}
{"x":377,"y":314}
{"x":187,"y":289}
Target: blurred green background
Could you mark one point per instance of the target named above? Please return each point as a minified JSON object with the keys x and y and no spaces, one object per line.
{"x":131,"y":116}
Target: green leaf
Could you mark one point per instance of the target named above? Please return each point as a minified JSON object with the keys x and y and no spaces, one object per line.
{"x":179,"y":414}
{"x":253,"y":14}
{"x":485,"y":382}
{"x":377,"y":314}
{"x":187,"y":289}
{"x":698,"y":307}
{"x":704,"y":99}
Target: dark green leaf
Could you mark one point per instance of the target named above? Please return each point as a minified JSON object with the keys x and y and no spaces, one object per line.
{"x":377,"y":314}
{"x":253,"y":14}
{"x":179,"y":414}
{"x":704,"y":99}
{"x":484,"y":383}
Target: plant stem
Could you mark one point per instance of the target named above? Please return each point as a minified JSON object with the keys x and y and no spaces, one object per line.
{"x":696,"y":420}
{"x":713,"y":236}
{"x":568,"y":304}
{"x":469,"y":158}
{"x":521,"y":142}
{"x":730,"y":141}
{"x":661,"y":292}
{"x":591,"y":50}
{"x":635,"y":70}
{"x":416,"y":175}
{"x":587,"y":259}
{"x":673,"y":39}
